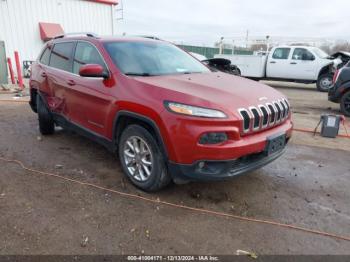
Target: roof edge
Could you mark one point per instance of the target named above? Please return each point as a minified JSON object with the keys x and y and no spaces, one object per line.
{"x":109,"y":2}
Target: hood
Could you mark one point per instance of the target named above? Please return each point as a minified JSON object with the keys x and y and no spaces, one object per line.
{"x":341,"y":53}
{"x":214,"y":90}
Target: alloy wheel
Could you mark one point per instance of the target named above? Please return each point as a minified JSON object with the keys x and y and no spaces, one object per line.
{"x":138,"y":158}
{"x":326,"y":83}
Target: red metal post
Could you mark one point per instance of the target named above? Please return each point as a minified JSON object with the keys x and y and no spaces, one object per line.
{"x":11,"y":71}
{"x":19,"y":71}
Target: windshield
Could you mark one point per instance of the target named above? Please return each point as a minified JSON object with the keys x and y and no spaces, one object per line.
{"x":320,"y":53}
{"x":152,"y":58}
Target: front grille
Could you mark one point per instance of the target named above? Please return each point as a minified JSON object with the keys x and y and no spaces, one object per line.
{"x":272,"y":114}
{"x":246,"y":160}
{"x":256,"y":120}
{"x":284,"y":109}
{"x":246,"y":119}
{"x":279,"y":111}
{"x":265,"y":113}
{"x":263,"y":116}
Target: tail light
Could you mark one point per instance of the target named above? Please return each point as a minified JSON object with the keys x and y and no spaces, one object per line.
{"x":335,"y":77}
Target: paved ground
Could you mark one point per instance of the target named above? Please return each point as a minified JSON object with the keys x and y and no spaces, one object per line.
{"x":308,"y":186}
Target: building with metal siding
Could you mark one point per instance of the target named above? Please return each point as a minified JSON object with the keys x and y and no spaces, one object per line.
{"x":19,"y":21}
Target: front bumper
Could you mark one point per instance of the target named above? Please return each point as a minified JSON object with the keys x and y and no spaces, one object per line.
{"x":238,"y":155}
{"x":182,"y":137}
{"x":220,"y":170}
{"x":333,"y":94}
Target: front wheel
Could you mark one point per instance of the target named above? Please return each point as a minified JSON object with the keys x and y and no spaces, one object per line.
{"x":324,"y":82}
{"x":345,"y":104}
{"x":142,"y":160}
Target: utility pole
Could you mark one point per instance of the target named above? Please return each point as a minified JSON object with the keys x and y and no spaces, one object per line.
{"x":247,"y":39}
{"x":221,"y":45}
{"x":267,"y":43}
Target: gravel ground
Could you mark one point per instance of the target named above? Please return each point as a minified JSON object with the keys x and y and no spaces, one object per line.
{"x":308,"y":186}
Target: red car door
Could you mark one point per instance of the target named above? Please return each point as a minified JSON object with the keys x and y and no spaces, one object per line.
{"x":39,"y":74}
{"x":89,"y":98}
{"x":57,"y":74}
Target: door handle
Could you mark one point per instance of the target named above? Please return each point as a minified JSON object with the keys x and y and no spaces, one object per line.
{"x":71,"y":82}
{"x":273,"y":62}
{"x":43,"y":74}
{"x":293,"y":63}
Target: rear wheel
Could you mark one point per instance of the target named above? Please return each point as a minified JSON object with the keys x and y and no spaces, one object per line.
{"x":345,"y":104}
{"x":142,"y":160}
{"x":324,"y":82}
{"x":237,"y":72}
{"x":46,"y":122}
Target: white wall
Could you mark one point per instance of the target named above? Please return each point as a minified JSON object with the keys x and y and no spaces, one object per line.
{"x":19,"y":22}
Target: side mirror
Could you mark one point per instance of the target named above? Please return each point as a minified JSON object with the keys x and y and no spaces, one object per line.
{"x":93,"y":70}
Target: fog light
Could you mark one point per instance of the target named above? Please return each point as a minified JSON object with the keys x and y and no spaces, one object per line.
{"x":201,"y":165}
{"x":213,"y":138}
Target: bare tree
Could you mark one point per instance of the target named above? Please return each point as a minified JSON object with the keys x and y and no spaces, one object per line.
{"x":258,"y":47}
{"x":326,"y":48}
{"x":341,"y":46}
{"x":300,"y":44}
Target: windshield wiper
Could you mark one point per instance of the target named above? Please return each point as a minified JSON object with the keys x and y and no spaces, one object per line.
{"x":137,"y":74}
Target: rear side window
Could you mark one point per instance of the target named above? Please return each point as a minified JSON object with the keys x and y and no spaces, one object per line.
{"x":45,"y":57}
{"x":281,"y":53}
{"x":86,"y":53}
{"x":60,"y":56}
{"x":302,"y":54}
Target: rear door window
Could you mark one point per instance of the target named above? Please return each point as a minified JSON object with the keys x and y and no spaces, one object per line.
{"x":86,"y":53}
{"x":61,"y":56}
{"x":45,"y":57}
{"x":281,"y":53}
{"x":302,"y":54}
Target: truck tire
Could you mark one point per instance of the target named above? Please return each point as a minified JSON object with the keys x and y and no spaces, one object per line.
{"x":46,"y":122}
{"x":324,"y":82}
{"x":345,"y":104}
{"x":234,"y":70}
{"x":237,"y":72}
{"x":142,"y":160}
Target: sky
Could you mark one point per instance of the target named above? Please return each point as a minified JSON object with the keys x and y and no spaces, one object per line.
{"x":203,"y":22}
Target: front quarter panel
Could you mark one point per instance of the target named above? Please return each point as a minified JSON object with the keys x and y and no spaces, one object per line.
{"x":322,"y":64}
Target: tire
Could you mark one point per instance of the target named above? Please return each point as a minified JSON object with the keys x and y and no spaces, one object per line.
{"x":324,"y":82}
{"x":345,"y":104}
{"x":46,"y":122}
{"x":236,"y":72}
{"x":149,"y":177}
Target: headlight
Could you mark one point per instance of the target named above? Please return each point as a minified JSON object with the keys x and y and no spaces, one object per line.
{"x":194,"y":110}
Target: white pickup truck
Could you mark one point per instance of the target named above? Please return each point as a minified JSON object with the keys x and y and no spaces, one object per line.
{"x":303,"y":64}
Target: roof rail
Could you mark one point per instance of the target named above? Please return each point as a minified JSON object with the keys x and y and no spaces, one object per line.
{"x":77,"y":34}
{"x":150,"y":37}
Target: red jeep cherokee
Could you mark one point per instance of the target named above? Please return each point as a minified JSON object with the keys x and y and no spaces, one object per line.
{"x":165,"y":113}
